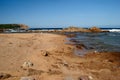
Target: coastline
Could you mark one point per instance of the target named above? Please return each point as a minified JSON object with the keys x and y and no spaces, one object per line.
{"x":53,"y":59}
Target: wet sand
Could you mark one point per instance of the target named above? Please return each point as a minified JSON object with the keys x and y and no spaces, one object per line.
{"x":52,"y":59}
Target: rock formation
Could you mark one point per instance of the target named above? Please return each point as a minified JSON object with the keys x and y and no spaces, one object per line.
{"x":95,"y":29}
{"x":75,"y":29}
{"x":23,"y":26}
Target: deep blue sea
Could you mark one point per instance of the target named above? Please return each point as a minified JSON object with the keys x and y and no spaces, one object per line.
{"x":101,"y":42}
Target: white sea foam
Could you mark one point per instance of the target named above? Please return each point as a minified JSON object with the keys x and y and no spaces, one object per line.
{"x":114,"y":30}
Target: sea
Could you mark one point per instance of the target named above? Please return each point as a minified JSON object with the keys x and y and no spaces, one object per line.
{"x":97,"y":42}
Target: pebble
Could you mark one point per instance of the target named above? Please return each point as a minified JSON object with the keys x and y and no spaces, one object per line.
{"x":44,"y":53}
{"x":95,"y":51}
{"x":90,"y":77}
{"x":27,"y":65}
{"x":65,"y":63}
{"x":27,"y":78}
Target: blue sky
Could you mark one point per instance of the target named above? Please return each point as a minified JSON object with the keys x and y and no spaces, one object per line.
{"x":58,"y":13}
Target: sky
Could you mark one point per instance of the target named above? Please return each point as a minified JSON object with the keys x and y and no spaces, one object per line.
{"x":60,"y":13}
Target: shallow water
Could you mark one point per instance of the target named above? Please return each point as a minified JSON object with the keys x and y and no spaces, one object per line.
{"x":102,"y":42}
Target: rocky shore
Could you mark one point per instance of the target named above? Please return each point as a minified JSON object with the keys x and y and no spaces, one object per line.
{"x":93,"y":29}
{"x":45,"y":56}
{"x":77,"y":29}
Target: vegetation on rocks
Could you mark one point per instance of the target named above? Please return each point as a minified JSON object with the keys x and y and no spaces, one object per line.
{"x":13,"y":26}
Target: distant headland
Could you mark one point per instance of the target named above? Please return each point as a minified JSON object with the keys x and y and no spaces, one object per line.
{"x":13,"y":27}
{"x":25,"y":28}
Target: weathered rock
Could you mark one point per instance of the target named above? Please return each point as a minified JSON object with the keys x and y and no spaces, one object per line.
{"x":44,"y":53}
{"x":90,"y":77}
{"x":23,"y":26}
{"x":51,"y":72}
{"x":69,"y":48}
{"x":4,"y":75}
{"x":84,"y":77}
{"x":71,"y":35}
{"x":75,"y":29}
{"x":71,"y":28}
{"x":95,"y":29}
{"x":65,"y":63}
{"x":27,"y":65}
{"x":81,"y":46}
{"x":34,"y":72}
{"x":27,"y":78}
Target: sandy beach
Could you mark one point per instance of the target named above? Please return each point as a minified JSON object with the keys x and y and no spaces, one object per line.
{"x":52,"y":59}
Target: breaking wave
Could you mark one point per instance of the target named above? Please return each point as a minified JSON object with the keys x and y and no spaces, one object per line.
{"x":114,"y":30}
